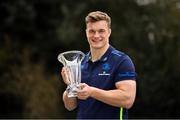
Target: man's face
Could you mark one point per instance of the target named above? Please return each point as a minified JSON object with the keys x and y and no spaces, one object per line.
{"x":98,"y":34}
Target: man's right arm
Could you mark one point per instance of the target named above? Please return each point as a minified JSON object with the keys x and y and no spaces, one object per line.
{"x":69,"y":103}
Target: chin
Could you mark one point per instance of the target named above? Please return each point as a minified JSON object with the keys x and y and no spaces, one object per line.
{"x":96,"y":46}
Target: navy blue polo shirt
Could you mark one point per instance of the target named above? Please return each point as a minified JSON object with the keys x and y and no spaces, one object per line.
{"x":113,"y":66}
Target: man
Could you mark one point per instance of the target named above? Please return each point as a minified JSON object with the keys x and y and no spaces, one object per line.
{"x":108,"y":85}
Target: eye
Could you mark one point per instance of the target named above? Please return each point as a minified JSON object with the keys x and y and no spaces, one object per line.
{"x":101,"y":31}
{"x":91,"y":31}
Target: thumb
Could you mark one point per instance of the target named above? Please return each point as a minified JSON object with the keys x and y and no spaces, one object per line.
{"x":82,"y":86}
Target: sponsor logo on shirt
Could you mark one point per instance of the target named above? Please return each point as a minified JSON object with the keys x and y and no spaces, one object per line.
{"x":127,"y":74}
{"x":104,"y":74}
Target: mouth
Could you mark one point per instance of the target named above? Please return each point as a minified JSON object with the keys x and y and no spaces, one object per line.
{"x":96,"y":40}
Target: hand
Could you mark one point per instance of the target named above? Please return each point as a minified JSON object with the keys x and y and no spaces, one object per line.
{"x":84,"y":91}
{"x":64,"y":73}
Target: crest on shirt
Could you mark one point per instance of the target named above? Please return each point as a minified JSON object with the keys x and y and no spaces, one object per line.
{"x":105,"y":68}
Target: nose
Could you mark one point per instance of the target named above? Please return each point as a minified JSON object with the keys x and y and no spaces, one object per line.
{"x":96,"y":34}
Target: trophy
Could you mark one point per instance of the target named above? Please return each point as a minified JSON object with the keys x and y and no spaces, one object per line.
{"x":72,"y":61}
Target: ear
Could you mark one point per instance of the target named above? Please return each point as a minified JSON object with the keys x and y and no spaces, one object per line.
{"x":109,"y":31}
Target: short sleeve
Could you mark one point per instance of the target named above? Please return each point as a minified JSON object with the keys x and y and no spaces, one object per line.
{"x":125,"y":70}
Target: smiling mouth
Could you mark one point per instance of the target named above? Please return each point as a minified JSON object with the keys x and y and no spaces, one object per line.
{"x":96,"y":40}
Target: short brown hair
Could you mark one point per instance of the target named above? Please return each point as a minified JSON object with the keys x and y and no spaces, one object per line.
{"x":98,"y":16}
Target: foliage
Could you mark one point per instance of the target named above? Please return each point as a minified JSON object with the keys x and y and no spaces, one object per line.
{"x":38,"y":91}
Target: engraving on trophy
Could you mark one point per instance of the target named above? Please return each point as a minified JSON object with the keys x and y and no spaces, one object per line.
{"x":72,"y":61}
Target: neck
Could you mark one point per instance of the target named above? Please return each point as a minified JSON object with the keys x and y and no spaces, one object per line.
{"x":96,"y":54}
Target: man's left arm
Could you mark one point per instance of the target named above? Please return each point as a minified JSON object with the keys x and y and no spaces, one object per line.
{"x":123,"y":96}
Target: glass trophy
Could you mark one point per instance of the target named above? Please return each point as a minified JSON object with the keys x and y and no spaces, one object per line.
{"x":72,"y":61}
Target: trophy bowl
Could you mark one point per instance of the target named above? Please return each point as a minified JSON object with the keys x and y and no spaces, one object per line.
{"x":72,"y":61}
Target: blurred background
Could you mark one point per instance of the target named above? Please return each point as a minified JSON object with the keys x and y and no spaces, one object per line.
{"x":34,"y":32}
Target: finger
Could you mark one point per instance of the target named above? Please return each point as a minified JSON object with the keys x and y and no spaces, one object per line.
{"x":63,"y":71}
{"x":65,"y":75}
{"x":82,"y":85}
{"x":80,"y":91}
{"x":82,"y":97}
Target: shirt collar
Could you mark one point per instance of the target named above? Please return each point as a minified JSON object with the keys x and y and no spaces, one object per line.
{"x":104,"y":57}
